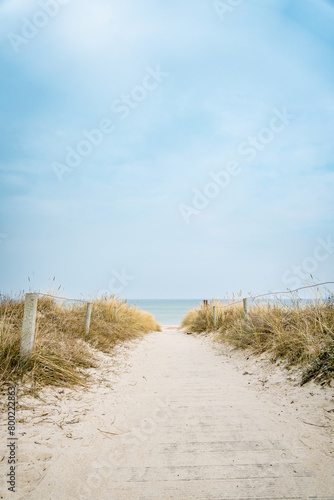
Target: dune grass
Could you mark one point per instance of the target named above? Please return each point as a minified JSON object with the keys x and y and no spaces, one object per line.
{"x":61,"y":351}
{"x":301,"y":336}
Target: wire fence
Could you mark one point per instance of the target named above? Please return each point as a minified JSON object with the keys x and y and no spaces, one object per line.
{"x":31,"y":300}
{"x":62,"y":298}
{"x":276,"y":293}
{"x":295,"y":290}
{"x":233,"y":302}
{"x":30,"y":315}
{"x":245,"y":300}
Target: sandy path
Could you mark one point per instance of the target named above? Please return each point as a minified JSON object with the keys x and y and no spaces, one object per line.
{"x":185,"y":421}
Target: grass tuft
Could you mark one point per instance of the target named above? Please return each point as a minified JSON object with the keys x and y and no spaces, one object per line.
{"x":61,"y":351}
{"x":301,"y":336}
{"x":322,"y":367}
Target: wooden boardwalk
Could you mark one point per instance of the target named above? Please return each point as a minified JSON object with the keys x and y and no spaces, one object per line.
{"x":184,"y":424}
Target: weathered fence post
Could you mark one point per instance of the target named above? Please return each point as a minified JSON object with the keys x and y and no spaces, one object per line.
{"x":88,"y":315}
{"x":214,"y":317}
{"x":28,"y":325}
{"x":246,"y":311}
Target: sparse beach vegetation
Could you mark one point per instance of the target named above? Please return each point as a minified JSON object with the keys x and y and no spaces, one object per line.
{"x":300,"y":336}
{"x":61,"y":351}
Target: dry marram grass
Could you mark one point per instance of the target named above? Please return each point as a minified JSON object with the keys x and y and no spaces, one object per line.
{"x":61,"y":352}
{"x":301,"y":336}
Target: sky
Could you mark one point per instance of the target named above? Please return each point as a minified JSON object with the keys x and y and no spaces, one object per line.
{"x":161,"y":149}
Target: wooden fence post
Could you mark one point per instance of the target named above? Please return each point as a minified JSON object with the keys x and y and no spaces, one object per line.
{"x":88,"y":315}
{"x":28,"y":325}
{"x":214,"y":317}
{"x":246,"y":311}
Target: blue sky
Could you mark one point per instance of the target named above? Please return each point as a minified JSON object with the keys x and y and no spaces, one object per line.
{"x":183,"y":90}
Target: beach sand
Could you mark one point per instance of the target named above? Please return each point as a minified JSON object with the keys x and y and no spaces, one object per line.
{"x":176,"y":416}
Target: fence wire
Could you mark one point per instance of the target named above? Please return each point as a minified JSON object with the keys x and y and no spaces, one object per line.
{"x":277,"y":293}
{"x":62,"y":298}
{"x":83,"y":301}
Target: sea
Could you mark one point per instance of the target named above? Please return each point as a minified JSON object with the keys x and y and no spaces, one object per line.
{"x":166,"y":312}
